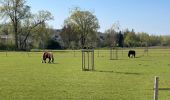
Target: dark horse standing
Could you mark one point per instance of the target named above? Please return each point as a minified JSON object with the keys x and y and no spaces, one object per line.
{"x":131,"y":53}
{"x":49,"y":56}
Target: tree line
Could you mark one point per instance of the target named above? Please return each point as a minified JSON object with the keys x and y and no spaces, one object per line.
{"x":80,"y":30}
{"x":26,"y":27}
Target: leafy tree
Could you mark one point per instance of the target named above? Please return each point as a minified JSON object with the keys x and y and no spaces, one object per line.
{"x":69,"y":35}
{"x":131,"y":40}
{"x":85,"y":24}
{"x":155,"y":40}
{"x":120,"y":39}
{"x":144,"y":38}
{"x":36,"y":27}
{"x":23,"y":22}
{"x":53,"y":44}
{"x":15,"y":11}
{"x":165,"y":41}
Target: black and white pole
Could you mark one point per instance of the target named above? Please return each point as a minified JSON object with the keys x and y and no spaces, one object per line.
{"x":156,"y":88}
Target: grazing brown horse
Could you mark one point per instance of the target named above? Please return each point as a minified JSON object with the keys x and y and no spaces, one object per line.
{"x":49,"y":56}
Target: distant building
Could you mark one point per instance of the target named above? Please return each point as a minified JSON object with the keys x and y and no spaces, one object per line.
{"x":102,"y":36}
{"x":6,"y":38}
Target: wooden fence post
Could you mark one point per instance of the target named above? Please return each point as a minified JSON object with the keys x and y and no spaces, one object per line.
{"x":88,"y":60}
{"x":156,"y":88}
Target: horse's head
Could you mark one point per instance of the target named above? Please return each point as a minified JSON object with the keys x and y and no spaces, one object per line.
{"x":44,"y":57}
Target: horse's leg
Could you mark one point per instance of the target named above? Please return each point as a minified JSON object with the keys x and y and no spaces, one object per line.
{"x":45,"y":60}
{"x":49,"y":60}
{"x":52,"y":59}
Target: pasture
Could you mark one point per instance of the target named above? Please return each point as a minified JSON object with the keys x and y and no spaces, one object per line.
{"x":24,"y":77}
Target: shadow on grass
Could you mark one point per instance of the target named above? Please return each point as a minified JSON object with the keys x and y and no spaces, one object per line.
{"x":50,"y":63}
{"x":164,"y":89}
{"x":117,"y":59}
{"x":53,"y":63}
{"x":139,"y":56}
{"x":161,"y":89}
{"x":126,"y":73}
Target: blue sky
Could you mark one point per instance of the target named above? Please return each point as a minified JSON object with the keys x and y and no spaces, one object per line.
{"x":151,"y":16}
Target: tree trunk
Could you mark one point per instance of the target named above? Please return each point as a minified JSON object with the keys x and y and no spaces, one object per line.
{"x":15,"y":23}
{"x":16,"y":37}
{"x":82,"y":42}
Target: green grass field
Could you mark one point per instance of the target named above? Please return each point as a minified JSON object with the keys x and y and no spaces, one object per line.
{"x":24,"y":77}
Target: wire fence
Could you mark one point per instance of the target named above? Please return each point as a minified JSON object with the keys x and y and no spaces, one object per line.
{"x":105,"y":54}
{"x":97,"y":52}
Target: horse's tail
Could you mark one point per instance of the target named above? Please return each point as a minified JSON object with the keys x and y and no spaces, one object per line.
{"x":43,"y":57}
{"x":52,"y":58}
